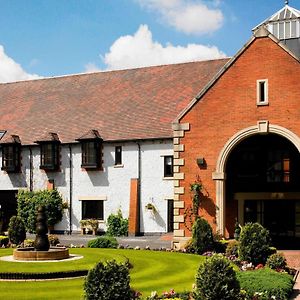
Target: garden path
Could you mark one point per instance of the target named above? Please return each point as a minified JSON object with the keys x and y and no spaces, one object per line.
{"x":293,"y":260}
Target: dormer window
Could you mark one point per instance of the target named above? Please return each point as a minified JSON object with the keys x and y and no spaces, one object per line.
{"x":49,"y":152}
{"x":91,"y":150}
{"x":49,"y":156}
{"x":11,"y":154}
{"x":262,"y":92}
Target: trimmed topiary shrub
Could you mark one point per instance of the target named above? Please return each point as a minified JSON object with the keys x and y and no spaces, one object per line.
{"x":107,"y":281}
{"x":16,"y":230}
{"x":117,"y":225}
{"x":202,"y":236}
{"x":254,"y":243}
{"x":267,"y":282}
{"x":28,"y":243}
{"x":103,"y":242}
{"x":276,"y":261}
{"x":216,"y":279}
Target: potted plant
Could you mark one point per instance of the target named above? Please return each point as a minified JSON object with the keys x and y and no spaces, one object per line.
{"x":151,"y":207}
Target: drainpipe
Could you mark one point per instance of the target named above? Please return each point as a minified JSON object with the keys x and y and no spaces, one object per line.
{"x":71,"y":189}
{"x":139,"y":185}
{"x":30,"y":170}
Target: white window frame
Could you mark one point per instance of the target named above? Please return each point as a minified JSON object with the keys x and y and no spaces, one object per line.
{"x":266,"y":92}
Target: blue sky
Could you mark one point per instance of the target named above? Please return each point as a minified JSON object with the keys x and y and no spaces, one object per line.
{"x":57,"y":37}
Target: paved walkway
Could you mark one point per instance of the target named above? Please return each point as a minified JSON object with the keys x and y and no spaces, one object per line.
{"x":153,"y":242}
{"x":293,"y":260}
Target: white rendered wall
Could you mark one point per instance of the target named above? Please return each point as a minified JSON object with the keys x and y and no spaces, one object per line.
{"x":112,"y":183}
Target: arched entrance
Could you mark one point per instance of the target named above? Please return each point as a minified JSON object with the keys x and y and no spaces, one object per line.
{"x":258,"y":179}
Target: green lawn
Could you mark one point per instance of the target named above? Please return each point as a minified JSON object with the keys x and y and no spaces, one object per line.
{"x":151,"y":271}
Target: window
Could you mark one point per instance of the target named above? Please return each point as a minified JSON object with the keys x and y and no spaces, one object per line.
{"x":168,"y":166}
{"x":262,"y":92}
{"x":11,"y":159}
{"x":92,"y":209}
{"x":49,"y":156}
{"x":118,"y":155}
{"x":278,"y":166}
{"x":91,"y":155}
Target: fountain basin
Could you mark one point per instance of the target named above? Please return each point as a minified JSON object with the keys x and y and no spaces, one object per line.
{"x":30,"y":254}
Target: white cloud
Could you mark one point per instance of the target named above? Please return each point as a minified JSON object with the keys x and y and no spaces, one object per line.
{"x":188,"y":16}
{"x":12,"y":71}
{"x":91,"y":67}
{"x":140,"y":50}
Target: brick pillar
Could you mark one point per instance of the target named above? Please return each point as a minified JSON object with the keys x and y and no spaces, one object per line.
{"x":134,"y":218}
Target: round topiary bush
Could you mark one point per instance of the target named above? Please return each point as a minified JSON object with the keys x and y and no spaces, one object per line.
{"x":53,"y":239}
{"x":107,"y":281}
{"x":103,"y":242}
{"x":216,"y":279}
{"x":202,"y":237}
{"x":117,"y":225}
{"x":276,"y":261}
{"x":254,"y":243}
{"x":16,"y":230}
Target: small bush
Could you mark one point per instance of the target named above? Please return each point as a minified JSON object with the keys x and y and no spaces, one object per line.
{"x":254,"y":243}
{"x":232,"y":248}
{"x":53,"y":239}
{"x":276,"y":261}
{"x":216,"y":279}
{"x":117,"y":225}
{"x":107,"y":281}
{"x":202,"y":236}
{"x":103,"y":242}
{"x":266,"y":281}
{"x":3,"y":240}
{"x":28,"y":243}
{"x":16,"y":230}
{"x":189,"y":247}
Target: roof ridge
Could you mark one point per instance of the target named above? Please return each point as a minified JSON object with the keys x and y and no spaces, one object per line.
{"x":109,"y":71}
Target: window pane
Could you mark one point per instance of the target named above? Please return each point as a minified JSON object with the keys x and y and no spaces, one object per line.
{"x":275,"y":29}
{"x":281,"y":30}
{"x":168,"y":166}
{"x":287,"y":30}
{"x":118,"y":155}
{"x":293,"y":29}
{"x":89,"y":153}
{"x":92,"y":209}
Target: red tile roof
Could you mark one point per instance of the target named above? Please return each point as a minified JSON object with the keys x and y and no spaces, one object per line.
{"x":121,"y":105}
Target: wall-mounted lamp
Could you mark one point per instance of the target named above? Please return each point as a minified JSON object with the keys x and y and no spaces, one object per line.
{"x":201,"y":162}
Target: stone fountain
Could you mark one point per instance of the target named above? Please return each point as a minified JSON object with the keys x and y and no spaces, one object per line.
{"x":41,"y":249}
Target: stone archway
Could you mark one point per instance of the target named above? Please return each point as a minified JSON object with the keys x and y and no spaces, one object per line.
{"x":262,"y":127}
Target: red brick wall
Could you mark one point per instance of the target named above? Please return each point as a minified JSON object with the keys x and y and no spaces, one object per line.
{"x":230,"y":106}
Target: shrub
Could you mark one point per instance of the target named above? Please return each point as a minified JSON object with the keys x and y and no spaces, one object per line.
{"x":266,"y":281}
{"x":117,"y":225}
{"x":202,"y":236}
{"x":189,"y":246}
{"x":254,"y":243}
{"x":53,"y":239}
{"x":103,"y":242}
{"x":216,"y":279}
{"x":108,"y":281}
{"x":16,"y":230}
{"x":232,"y":248}
{"x":28,"y":202}
{"x":276,"y":261}
{"x":3,"y":240}
{"x":28,"y":243}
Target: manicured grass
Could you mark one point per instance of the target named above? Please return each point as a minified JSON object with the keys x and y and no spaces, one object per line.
{"x":151,"y":271}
